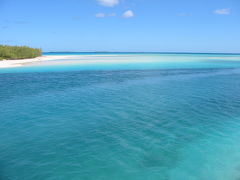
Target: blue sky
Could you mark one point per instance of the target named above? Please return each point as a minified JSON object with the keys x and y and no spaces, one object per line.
{"x":122,"y":25}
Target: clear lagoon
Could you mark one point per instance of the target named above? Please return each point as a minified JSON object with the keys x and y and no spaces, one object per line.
{"x":114,"y":116}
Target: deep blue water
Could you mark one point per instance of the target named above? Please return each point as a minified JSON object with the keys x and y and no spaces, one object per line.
{"x":121,"y":123}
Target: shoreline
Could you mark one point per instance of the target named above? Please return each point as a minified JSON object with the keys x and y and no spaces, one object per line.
{"x":22,"y":62}
{"x":98,"y":59}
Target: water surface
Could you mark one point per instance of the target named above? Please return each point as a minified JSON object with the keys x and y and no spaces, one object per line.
{"x":172,"y":121}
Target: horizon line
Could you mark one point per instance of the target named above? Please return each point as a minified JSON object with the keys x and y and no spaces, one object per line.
{"x":142,"y":52}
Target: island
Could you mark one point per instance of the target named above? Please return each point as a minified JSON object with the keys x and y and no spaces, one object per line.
{"x":18,"y":52}
{"x":15,"y":56}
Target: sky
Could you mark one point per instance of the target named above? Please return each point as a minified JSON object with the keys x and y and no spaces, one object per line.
{"x":122,"y":25}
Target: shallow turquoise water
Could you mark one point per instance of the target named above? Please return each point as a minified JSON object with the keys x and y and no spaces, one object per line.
{"x":130,"y":61}
{"x":178,"y":122}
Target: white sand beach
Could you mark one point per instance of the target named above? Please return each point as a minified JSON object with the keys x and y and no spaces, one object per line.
{"x":22,"y":62}
{"x":85,"y":59}
{"x":71,"y":59}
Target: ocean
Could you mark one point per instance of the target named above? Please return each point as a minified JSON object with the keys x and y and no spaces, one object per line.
{"x":132,"y":116}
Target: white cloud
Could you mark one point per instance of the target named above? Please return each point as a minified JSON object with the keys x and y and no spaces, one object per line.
{"x":109,"y":3}
{"x":100,"y":15}
{"x":223,"y":11}
{"x":128,"y":14}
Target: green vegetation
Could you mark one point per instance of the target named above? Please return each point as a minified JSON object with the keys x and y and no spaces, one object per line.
{"x":18,"y":52}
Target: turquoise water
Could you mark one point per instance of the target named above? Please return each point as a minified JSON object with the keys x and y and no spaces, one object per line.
{"x":177,"y":120}
{"x":129,"y":61}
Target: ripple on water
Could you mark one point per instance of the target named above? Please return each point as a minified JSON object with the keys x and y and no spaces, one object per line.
{"x":161,"y":124}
